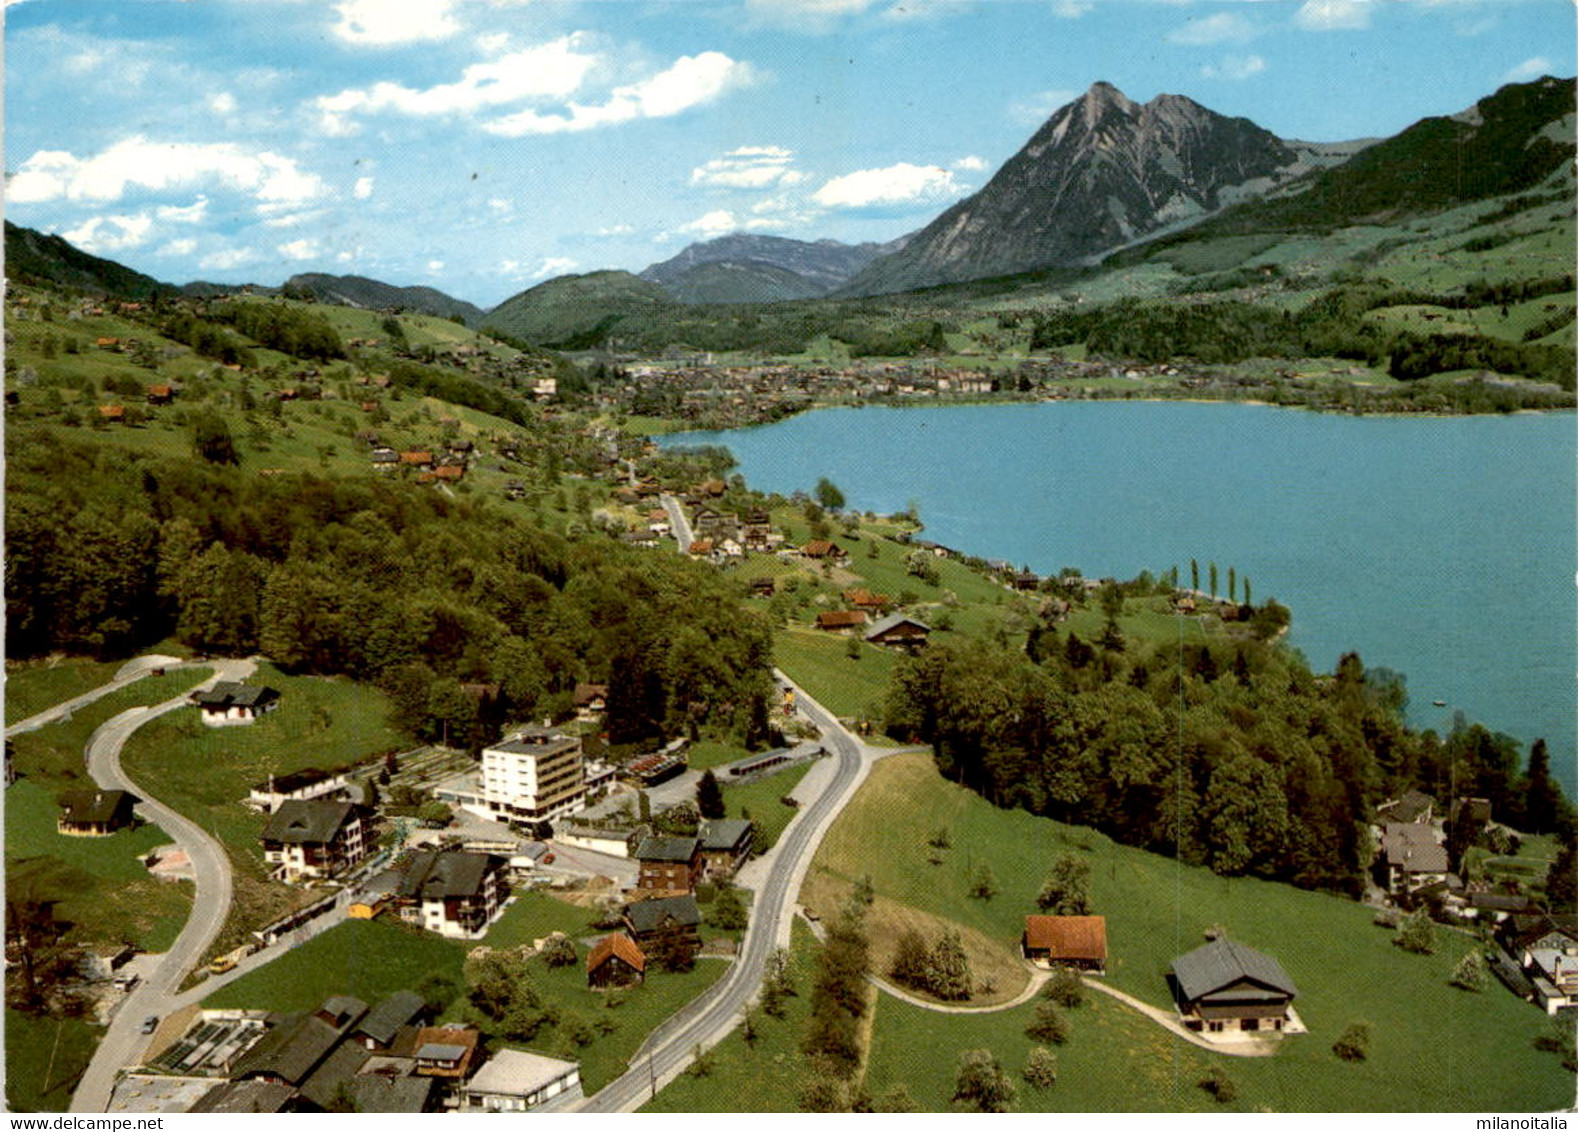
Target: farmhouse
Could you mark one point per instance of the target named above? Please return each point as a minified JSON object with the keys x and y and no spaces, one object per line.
{"x":1227,"y":986}
{"x":725,"y":844}
{"x":1413,"y":807}
{"x":515,"y":1080}
{"x":822,"y":548}
{"x":94,"y":813}
{"x":446,"y":1052}
{"x":615,"y":962}
{"x":1067,"y":941}
{"x":670,"y":866}
{"x":453,"y":893}
{"x":228,"y":703}
{"x":315,"y":838}
{"x":300,"y":786}
{"x":897,"y":631}
{"x":646,"y":920}
{"x":591,"y":700}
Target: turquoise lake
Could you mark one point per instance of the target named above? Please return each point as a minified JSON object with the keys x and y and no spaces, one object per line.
{"x":1445,"y":548}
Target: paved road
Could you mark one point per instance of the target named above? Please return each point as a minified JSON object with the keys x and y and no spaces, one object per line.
{"x":123,"y":1045}
{"x":680,"y":526}
{"x":711,"y":1017}
{"x":128,"y":673}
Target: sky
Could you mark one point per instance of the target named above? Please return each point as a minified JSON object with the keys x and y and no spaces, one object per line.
{"x":483,"y":146}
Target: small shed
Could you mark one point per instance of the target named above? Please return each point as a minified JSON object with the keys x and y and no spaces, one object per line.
{"x":616,"y":961}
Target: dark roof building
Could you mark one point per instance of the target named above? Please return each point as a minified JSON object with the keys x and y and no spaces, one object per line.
{"x":306,"y":821}
{"x":897,"y":630}
{"x":289,"y":1052}
{"x":246,"y":1096}
{"x":669,"y":865}
{"x":453,"y":892}
{"x":230,"y":702}
{"x":646,"y":918}
{"x":379,"y":1027}
{"x":94,"y":813}
{"x":1226,"y":985}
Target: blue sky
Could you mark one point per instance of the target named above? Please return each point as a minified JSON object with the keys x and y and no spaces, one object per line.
{"x":480,"y":146}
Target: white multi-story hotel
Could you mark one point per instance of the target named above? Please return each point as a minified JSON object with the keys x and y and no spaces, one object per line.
{"x":535,"y":775}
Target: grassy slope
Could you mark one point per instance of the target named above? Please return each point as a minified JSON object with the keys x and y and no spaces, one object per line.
{"x":44,"y":1059}
{"x":30,"y":688}
{"x":760,"y":800}
{"x":206,"y":772}
{"x":1435,"y":1047}
{"x":759,"y":1076}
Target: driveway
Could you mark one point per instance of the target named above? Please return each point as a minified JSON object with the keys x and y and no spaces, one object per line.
{"x":128,"y":673}
{"x":156,"y":995}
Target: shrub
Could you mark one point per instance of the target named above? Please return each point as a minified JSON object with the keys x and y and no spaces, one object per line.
{"x":1471,"y":972}
{"x":1041,"y":1068}
{"x":1048,"y":1024}
{"x":1354,"y":1045}
{"x":1064,"y":988}
{"x":1417,"y":934}
{"x":1219,"y":1085}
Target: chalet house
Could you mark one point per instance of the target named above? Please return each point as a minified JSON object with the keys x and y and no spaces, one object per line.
{"x":615,"y":962}
{"x":316,"y":838}
{"x":591,"y":700}
{"x":445,"y":1052}
{"x":516,"y":1080}
{"x":837,"y":620}
{"x":112,"y":412}
{"x":1227,"y":986}
{"x":160,"y":394}
{"x":228,"y":703}
{"x":725,"y":844}
{"x":865,"y":599}
{"x":301,"y":786}
{"x":385,"y":459}
{"x":646,"y":920}
{"x":701,"y":548}
{"x":1411,"y":858}
{"x":417,"y":459}
{"x":1476,"y":811}
{"x":1542,"y":950}
{"x":763,"y":587}
{"x":452,"y":892}
{"x":450,"y":473}
{"x":1414,"y":807}
{"x":669,"y":865}
{"x":897,"y":631}
{"x":757,"y":530}
{"x":1067,"y":941}
{"x":94,"y":813}
{"x":822,"y":548}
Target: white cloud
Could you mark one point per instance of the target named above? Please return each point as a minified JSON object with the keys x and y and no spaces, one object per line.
{"x":1037,"y":108}
{"x":300,"y":249}
{"x":363,"y":188}
{"x":814,"y":17}
{"x":178,"y":247}
{"x":292,"y":219}
{"x":554,"y":69}
{"x":1529,"y":69}
{"x":614,"y":230}
{"x":137,"y":163}
{"x":749,"y":167}
{"x":110,"y":233}
{"x":1220,"y":28}
{"x":227,"y":259}
{"x":717,"y":223}
{"x":194,"y":213}
{"x":1333,"y":15}
{"x":970,"y":164}
{"x":222,"y":103}
{"x":693,"y":80}
{"x":554,"y":265}
{"x":1071,"y":9}
{"x":894,"y":187}
{"x":384,"y":23}
{"x":1234,"y":67}
{"x":435,"y":265}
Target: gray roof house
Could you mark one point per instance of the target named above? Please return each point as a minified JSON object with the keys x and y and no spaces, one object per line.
{"x":1226,"y":985}
{"x":646,"y":918}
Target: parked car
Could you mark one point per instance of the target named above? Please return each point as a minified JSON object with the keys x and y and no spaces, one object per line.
{"x":150,"y":1023}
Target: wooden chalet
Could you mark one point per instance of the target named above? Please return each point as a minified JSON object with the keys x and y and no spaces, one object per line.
{"x":898,"y":631}
{"x":1228,"y":986}
{"x":646,"y":920}
{"x":94,"y":813}
{"x":670,"y":866}
{"x":835,"y":620}
{"x":160,"y":394}
{"x":616,"y":961}
{"x":822,"y":548}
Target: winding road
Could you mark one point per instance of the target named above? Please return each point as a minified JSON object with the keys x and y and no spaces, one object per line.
{"x":156,"y":995}
{"x":715,"y":1013}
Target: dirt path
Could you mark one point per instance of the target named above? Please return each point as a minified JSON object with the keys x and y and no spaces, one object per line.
{"x":1254,"y":1047}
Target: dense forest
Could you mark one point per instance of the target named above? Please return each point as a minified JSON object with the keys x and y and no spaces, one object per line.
{"x":1234,"y":756}
{"x":107,"y":553}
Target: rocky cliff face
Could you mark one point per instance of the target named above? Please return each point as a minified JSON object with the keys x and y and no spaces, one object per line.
{"x":784,"y":268}
{"x":1103,"y":171}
